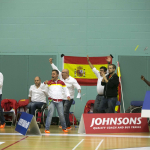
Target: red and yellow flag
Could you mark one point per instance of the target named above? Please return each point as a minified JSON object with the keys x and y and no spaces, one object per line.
{"x":80,"y":70}
{"x":117,"y":108}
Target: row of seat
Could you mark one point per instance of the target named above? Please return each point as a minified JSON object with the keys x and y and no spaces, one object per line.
{"x":13,"y":109}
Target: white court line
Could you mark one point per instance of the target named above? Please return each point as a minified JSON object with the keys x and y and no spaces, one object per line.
{"x":82,"y":135}
{"x":78,"y":144}
{"x":99,"y":144}
{"x":1,"y":143}
{"x":135,"y":148}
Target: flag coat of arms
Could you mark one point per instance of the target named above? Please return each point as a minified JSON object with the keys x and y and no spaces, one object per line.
{"x":80,"y":70}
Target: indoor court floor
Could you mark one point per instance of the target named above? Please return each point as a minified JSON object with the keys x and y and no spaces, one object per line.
{"x":57,"y":140}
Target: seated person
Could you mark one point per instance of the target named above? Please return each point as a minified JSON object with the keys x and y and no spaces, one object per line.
{"x":37,"y":95}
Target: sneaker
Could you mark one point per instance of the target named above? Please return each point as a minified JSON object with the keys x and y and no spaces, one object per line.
{"x":47,"y":131}
{"x":64,"y":130}
{"x":68,"y":128}
{"x":2,"y":126}
{"x":60,"y":127}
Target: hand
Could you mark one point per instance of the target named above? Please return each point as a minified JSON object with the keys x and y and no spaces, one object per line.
{"x":103,"y":80}
{"x":142,"y":77}
{"x":103,"y":74}
{"x":108,"y":59}
{"x":46,"y":82}
{"x":88,"y":58}
{"x":68,"y":98}
{"x":51,"y":60}
{"x":79,"y":91}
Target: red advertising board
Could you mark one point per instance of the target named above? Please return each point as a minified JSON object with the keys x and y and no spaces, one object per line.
{"x":114,"y":123}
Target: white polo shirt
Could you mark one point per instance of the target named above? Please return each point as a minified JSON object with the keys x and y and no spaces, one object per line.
{"x":70,"y":82}
{"x":100,"y":88}
{"x":38,"y":94}
{"x":1,"y":82}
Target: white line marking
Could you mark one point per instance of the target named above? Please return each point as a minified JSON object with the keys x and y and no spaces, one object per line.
{"x":78,"y":144}
{"x":1,"y":143}
{"x":136,"y":148}
{"x":82,"y":135}
{"x":99,"y":144}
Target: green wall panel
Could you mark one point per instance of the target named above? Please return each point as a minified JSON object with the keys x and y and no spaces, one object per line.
{"x":132,"y":67}
{"x":15,"y":71}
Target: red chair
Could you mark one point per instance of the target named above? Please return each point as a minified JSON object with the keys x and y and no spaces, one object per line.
{"x":10,"y":110}
{"x":88,"y":106}
{"x":21,"y":107}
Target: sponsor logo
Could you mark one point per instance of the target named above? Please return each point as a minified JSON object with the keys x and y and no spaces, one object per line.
{"x":116,"y":121}
{"x":23,"y":123}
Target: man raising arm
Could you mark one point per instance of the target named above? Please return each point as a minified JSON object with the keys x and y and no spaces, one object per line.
{"x":71,"y":84}
{"x":55,"y":88}
{"x":100,"y":88}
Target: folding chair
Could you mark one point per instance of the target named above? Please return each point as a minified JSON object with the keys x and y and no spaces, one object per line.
{"x":21,"y":107}
{"x":88,"y":106}
{"x":136,"y":106}
{"x":9,"y":106}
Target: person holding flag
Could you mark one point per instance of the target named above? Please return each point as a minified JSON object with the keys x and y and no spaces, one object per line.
{"x":71,"y":84}
{"x":100,"y":88}
{"x":110,"y":83}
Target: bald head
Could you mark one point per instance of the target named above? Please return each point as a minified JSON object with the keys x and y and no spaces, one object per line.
{"x":65,"y":73}
{"x":37,"y":77}
{"x":37,"y":81}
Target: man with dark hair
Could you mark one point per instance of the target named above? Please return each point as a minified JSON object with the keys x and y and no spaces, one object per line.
{"x":110,"y":83}
{"x":100,"y":88}
{"x":55,"y":96}
{"x":104,"y":68}
{"x":37,"y":95}
{"x":71,"y":84}
{"x":56,"y":71}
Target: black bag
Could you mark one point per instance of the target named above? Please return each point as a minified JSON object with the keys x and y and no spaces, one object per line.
{"x":55,"y":121}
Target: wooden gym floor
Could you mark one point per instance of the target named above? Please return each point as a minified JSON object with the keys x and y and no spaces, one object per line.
{"x":57,"y":140}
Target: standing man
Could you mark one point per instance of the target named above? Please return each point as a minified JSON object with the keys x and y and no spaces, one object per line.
{"x":100,"y":88}
{"x":55,"y":88}
{"x":147,"y":82}
{"x":71,"y":84}
{"x":110,"y":83}
{"x":37,"y":95}
{"x":2,"y":119}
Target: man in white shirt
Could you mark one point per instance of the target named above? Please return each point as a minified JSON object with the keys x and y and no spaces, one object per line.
{"x":2,"y":119}
{"x":71,"y":84}
{"x":37,"y":95}
{"x":100,"y":88}
{"x":55,"y":88}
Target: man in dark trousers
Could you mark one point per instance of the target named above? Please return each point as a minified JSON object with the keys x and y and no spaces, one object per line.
{"x":110,"y":83}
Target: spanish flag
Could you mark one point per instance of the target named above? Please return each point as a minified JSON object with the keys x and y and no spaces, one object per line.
{"x":80,"y":70}
{"x":117,"y":108}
